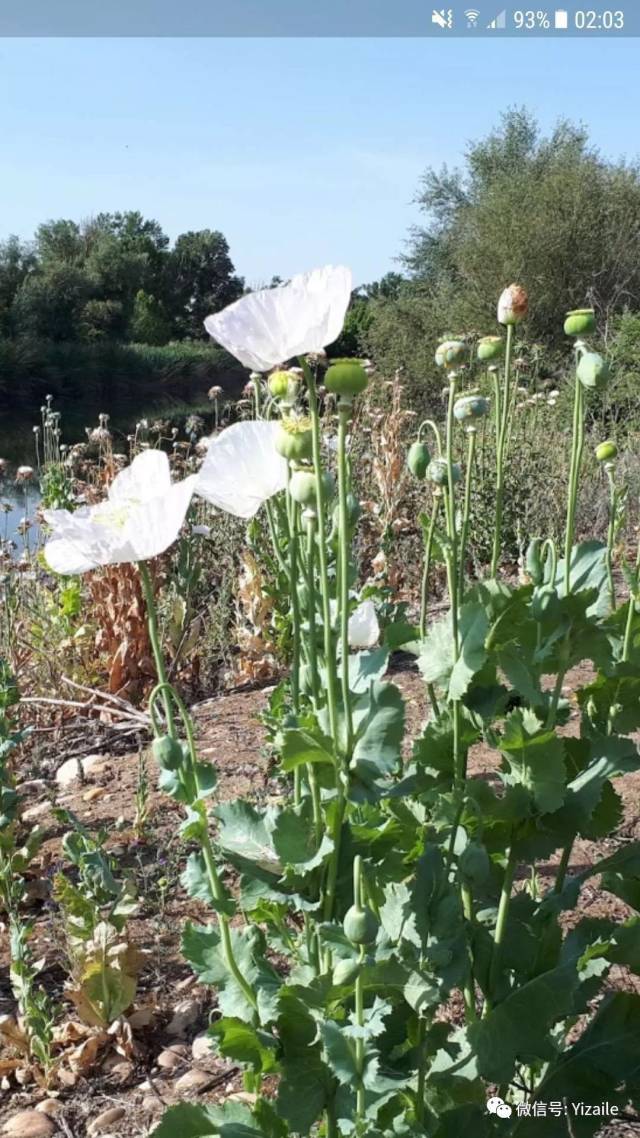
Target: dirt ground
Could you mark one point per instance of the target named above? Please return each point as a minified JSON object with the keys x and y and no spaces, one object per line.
{"x":154,"y":1060}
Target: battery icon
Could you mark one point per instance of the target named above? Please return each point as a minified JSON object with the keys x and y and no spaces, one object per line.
{"x":562,"y":19}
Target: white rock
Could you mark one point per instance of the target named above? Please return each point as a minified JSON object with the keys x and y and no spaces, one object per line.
{"x":173,"y":1056}
{"x":70,"y":770}
{"x":102,"y":1122}
{"x":33,"y":812}
{"x":193,"y":1080}
{"x":29,"y":1124}
{"x":185,"y":1014}
{"x":201,"y":1047}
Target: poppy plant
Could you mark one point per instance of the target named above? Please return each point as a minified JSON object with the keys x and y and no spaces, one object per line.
{"x":269,"y":327}
{"x":140,"y":518}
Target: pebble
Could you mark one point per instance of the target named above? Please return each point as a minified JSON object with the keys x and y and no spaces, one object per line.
{"x":102,"y":1122}
{"x":50,"y":1107}
{"x":70,"y":770}
{"x":29,"y":1124}
{"x":201,"y":1047}
{"x":173,"y":1056}
{"x":185,"y":1014}
{"x":93,"y":793}
{"x":36,"y":811}
{"x":193,"y":1080}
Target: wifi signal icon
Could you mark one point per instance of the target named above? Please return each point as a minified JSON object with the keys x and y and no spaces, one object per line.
{"x":472,"y":16}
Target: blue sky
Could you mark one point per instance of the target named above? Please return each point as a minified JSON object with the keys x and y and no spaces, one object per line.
{"x":301,"y":151}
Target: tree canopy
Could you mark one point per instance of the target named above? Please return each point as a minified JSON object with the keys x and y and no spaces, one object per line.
{"x":113,"y":277}
{"x":547,"y":211}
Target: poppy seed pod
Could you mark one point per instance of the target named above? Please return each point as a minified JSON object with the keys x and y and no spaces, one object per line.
{"x":607,"y":451}
{"x":360,"y":925}
{"x":593,"y":371}
{"x":438,"y":472}
{"x":490,"y":348}
{"x":450,"y":353}
{"x":346,"y":378}
{"x":303,"y":486}
{"x":294,"y":440}
{"x":470,"y":407}
{"x":513,"y":305}
{"x":418,"y":460}
{"x":580,"y":322}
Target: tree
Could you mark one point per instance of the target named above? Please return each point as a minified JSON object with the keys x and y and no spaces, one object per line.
{"x":551,"y":213}
{"x":49,"y":303}
{"x":149,"y":323}
{"x":200,"y":279}
{"x":16,"y":262}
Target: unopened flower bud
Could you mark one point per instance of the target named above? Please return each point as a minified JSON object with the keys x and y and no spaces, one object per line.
{"x":607,"y":451}
{"x":513,"y":305}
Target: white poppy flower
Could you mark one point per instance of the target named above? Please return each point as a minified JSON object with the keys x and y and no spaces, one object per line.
{"x":364,"y":630}
{"x":269,"y":327}
{"x":242,"y":468}
{"x":140,"y":519}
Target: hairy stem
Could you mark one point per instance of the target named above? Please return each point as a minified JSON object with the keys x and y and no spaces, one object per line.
{"x":503,"y":405}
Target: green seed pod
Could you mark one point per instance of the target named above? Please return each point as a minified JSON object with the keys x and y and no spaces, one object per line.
{"x":283,"y":385}
{"x":294,"y":440}
{"x":418,"y":460}
{"x":345,"y":972}
{"x":533,"y":561}
{"x":607,"y":451}
{"x":167,"y":752}
{"x":360,"y":925}
{"x":438,"y":472}
{"x":450,"y":353}
{"x":545,"y":604}
{"x":303,"y":486}
{"x":346,"y":378}
{"x":593,"y":371}
{"x":490,"y":348}
{"x":470,"y":407}
{"x":580,"y":322}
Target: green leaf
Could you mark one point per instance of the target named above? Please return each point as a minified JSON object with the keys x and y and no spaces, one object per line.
{"x":588,"y":571}
{"x":519,"y":1027}
{"x":473,"y":626}
{"x":299,"y":747}
{"x":603,"y":1065}
{"x":233,"y":1120}
{"x":245,"y":1044}
{"x":295,"y":840}
{"x":378,"y":722}
{"x":195,"y":880}
{"x":536,"y":760}
{"x":245,"y":839}
{"x":203,"y":950}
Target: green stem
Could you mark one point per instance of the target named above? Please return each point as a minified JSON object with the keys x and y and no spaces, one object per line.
{"x":422,"y":1069}
{"x":169,"y":696}
{"x":563,"y":866}
{"x":501,"y":924}
{"x":466,"y":512}
{"x":613,"y":500}
{"x":577,"y":446}
{"x":313,"y":662}
{"x":502,"y":422}
{"x":433,"y":427}
{"x":424,"y":591}
{"x":154,"y":637}
{"x":628,"y":632}
{"x":344,"y":414}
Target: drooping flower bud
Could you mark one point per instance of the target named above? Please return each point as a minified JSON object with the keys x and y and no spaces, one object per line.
{"x":513,"y":305}
{"x":607,"y":451}
{"x":490,"y":348}
{"x":593,"y":371}
{"x":418,"y":460}
{"x":303,"y":487}
{"x":450,"y":353}
{"x":580,"y":322}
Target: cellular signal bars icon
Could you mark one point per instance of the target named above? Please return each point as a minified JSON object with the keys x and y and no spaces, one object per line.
{"x":500,"y":22}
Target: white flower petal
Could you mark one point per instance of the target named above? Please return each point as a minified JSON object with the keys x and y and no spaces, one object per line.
{"x":364,"y":630}
{"x":273,"y":325}
{"x":139,"y":521}
{"x":148,"y":476}
{"x":242,"y":468}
